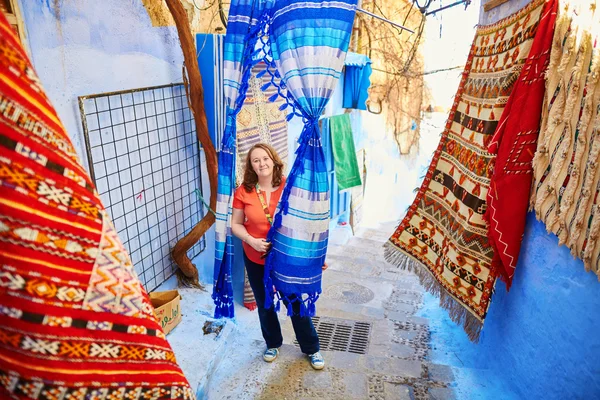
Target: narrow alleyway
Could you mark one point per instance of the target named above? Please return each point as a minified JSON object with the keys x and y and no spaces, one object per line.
{"x":374,"y":344}
{"x":382,"y":335}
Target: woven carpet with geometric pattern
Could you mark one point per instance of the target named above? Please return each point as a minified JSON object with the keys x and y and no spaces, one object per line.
{"x":75,"y":321}
{"x":444,"y":233}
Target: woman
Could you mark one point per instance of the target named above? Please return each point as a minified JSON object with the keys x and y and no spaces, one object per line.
{"x":254,"y":205}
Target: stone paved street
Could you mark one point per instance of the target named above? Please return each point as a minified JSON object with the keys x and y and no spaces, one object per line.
{"x":361,"y":293}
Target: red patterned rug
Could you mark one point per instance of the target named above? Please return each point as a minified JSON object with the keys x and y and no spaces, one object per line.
{"x":514,"y":144}
{"x":75,"y":322}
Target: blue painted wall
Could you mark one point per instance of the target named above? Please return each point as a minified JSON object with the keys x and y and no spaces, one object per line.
{"x":540,"y":340}
{"x":542,"y":336}
{"x":82,"y":47}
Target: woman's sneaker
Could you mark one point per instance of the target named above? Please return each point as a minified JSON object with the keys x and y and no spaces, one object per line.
{"x":270,"y":354}
{"x":316,"y":360}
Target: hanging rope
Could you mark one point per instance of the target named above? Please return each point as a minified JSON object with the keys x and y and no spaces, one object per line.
{"x":204,"y":201}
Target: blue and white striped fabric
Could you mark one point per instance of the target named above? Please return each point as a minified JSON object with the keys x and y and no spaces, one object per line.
{"x":305,"y":43}
{"x":242,"y":34}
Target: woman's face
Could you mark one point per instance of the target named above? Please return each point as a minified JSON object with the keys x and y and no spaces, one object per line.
{"x":261,"y":163}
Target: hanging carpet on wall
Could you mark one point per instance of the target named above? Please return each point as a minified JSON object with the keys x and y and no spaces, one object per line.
{"x":344,"y":152}
{"x":304,"y":45}
{"x":566,"y":189}
{"x":514,"y":144}
{"x":75,"y":321}
{"x":259,"y":121}
{"x":443,"y":237}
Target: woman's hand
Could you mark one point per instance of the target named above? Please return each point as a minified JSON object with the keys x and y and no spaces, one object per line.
{"x":325,"y":266}
{"x":258,"y":244}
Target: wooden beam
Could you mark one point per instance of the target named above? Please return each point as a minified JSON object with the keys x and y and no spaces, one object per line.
{"x":490,"y":5}
{"x":188,"y":273}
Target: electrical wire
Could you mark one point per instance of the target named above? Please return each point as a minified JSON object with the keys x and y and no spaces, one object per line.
{"x":205,"y":8}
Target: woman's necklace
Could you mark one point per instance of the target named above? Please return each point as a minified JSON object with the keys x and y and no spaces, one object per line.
{"x":264,"y":204}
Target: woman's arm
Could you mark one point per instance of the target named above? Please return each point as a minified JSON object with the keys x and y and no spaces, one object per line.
{"x":239,"y":230}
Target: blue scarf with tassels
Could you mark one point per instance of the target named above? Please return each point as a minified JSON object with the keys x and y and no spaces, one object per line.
{"x":304,"y":45}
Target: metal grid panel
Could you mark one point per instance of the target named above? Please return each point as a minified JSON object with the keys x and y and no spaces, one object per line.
{"x":144,"y":158}
{"x":342,"y":334}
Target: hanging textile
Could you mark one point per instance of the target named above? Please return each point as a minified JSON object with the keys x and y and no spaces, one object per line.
{"x":444,"y":233}
{"x":75,"y":321}
{"x":514,"y":144}
{"x":357,"y":73}
{"x":245,"y":23}
{"x":344,"y":152}
{"x":566,"y":191}
{"x":259,"y":121}
{"x":249,"y":299}
{"x":303,"y":44}
{"x":357,"y":193}
{"x":309,"y":43}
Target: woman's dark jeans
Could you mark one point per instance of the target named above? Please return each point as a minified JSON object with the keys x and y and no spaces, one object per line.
{"x":269,"y":323}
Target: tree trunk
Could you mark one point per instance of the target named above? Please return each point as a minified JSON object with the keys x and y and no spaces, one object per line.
{"x":188,"y":273}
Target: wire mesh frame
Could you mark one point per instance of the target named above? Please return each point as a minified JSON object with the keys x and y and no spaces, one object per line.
{"x":144,"y":158}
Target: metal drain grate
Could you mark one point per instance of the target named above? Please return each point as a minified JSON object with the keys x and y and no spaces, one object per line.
{"x":342,"y":334}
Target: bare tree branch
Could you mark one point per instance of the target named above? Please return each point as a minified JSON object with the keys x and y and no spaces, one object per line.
{"x":435,"y":71}
{"x":188,"y":273}
{"x":397,"y":81}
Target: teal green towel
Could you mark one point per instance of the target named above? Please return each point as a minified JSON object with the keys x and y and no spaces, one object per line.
{"x":344,"y":153}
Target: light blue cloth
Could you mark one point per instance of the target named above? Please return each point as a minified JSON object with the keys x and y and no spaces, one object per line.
{"x":356,"y":60}
{"x":304,"y":43}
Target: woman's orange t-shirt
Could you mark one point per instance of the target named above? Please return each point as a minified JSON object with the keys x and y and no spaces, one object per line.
{"x":256,"y":222}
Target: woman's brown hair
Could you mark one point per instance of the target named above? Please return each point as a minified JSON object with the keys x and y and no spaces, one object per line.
{"x":250,"y":177}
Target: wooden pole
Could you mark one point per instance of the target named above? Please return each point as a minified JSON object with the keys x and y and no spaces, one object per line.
{"x":188,"y":273}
